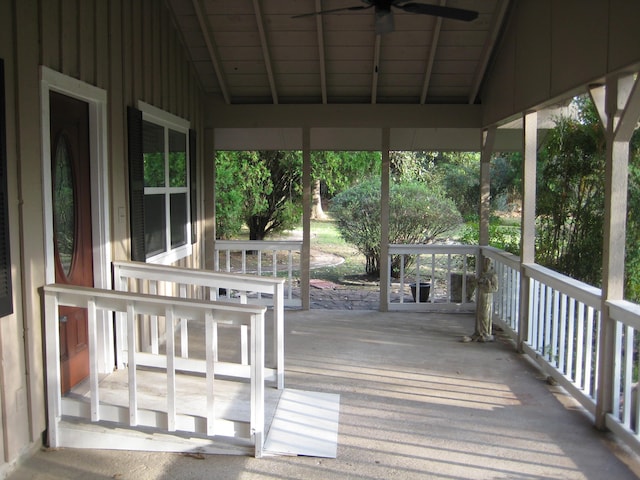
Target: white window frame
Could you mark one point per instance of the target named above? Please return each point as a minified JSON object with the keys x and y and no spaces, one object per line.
{"x":168,"y":121}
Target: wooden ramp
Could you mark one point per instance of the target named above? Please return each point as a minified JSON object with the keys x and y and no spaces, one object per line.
{"x":305,"y":423}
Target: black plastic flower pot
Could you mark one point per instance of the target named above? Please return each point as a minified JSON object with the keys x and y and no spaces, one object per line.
{"x":425,"y":288}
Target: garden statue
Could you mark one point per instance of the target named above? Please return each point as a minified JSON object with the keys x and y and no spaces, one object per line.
{"x":486,"y":285}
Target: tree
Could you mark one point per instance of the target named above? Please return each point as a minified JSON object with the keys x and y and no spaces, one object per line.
{"x":261,"y":189}
{"x":418,"y":214}
{"x":570,"y":207}
{"x":333,"y":172}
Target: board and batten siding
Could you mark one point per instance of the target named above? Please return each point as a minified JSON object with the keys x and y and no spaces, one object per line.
{"x":130,"y":49}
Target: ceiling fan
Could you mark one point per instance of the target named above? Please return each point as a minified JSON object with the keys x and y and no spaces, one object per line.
{"x":384,"y":12}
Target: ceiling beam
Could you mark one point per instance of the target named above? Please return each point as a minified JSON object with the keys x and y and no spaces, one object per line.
{"x":347,"y":115}
{"x":487,"y":50}
{"x":435,"y":38}
{"x":321,"y":53}
{"x":376,"y":69}
{"x":211,"y":48}
{"x":265,"y":50}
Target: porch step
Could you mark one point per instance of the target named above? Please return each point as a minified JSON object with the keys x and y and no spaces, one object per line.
{"x":305,"y":423}
{"x":104,"y":436}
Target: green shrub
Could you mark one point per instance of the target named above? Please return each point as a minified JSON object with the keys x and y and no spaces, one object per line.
{"x":416,"y":215}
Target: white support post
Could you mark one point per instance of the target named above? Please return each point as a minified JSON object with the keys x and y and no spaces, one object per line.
{"x":52,"y":336}
{"x":278,"y":335}
{"x":488,"y":140}
{"x":94,"y":378}
{"x":305,"y":257}
{"x":257,"y":382}
{"x":211,"y":258}
{"x":619,"y":107}
{"x":385,"y":272}
{"x":528,"y":228}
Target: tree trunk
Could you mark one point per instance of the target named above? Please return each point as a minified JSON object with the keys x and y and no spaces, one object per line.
{"x":316,"y":203}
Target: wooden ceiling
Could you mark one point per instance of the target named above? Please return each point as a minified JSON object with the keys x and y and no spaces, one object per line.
{"x":254,"y":52}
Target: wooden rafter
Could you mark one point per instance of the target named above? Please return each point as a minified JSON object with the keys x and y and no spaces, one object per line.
{"x":487,"y":49}
{"x":211,"y":49}
{"x":321,"y":53}
{"x":435,"y":38}
{"x":265,"y":50}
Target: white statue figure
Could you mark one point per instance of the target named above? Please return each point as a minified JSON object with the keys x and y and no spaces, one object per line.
{"x":486,"y":286}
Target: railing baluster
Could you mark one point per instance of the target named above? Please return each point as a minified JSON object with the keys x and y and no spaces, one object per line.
{"x":153,"y":320}
{"x":555,"y":326}
{"x":580,"y":345}
{"x":563,"y":333}
{"x":184,"y":329}
{"x":627,"y":375}
{"x":570,"y":335}
{"x":171,"y":368}
{"x":589,"y":352}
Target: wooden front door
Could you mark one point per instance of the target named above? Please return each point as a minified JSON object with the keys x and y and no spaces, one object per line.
{"x":71,"y":188}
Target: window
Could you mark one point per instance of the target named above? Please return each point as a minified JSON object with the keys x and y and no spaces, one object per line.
{"x":160,"y":185}
{"x":6,"y":295}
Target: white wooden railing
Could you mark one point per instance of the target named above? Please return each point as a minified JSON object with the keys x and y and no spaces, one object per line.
{"x":278,"y":258}
{"x":199,"y":284}
{"x":564,"y":330}
{"x":133,"y":306}
{"x":564,"y":327}
{"x":450,"y":271}
{"x":624,"y":419}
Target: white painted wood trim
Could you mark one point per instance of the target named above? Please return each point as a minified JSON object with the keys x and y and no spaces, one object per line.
{"x":50,"y":80}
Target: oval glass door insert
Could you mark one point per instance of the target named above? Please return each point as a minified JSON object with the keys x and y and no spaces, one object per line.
{"x":64,"y":218}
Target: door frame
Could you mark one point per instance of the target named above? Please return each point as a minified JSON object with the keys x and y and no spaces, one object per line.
{"x":50,"y":80}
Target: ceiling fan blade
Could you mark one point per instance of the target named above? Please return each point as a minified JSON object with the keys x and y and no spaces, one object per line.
{"x":333,"y":10}
{"x":438,"y":11}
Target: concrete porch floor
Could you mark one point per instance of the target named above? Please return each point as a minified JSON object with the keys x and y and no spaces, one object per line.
{"x":415,"y":403}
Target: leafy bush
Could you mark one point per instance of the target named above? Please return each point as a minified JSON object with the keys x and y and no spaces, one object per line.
{"x":417,"y":215}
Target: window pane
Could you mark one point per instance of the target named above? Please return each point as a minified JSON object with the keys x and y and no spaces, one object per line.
{"x":178,"y":219}
{"x":177,"y":159}
{"x":153,"y":150}
{"x":154,"y":224}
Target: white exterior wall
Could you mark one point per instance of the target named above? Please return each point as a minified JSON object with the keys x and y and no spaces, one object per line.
{"x":130,"y":49}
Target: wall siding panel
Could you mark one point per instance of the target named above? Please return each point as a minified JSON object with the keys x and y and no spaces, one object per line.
{"x":86,"y":47}
{"x":70,"y":40}
{"x":50,"y":34}
{"x":27,"y":86}
{"x":101,"y":26}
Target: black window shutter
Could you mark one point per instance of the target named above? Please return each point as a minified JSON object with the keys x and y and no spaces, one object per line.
{"x":136,"y":184}
{"x":193,"y":184}
{"x":6,"y":294}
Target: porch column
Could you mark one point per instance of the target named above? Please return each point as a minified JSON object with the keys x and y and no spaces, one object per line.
{"x":209,"y":160}
{"x":618,"y":104}
{"x":488,"y":138}
{"x":385,"y":274}
{"x":305,"y":257}
{"x":528,"y":223}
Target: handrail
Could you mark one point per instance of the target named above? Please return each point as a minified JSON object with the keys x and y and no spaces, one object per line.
{"x":191,"y":277}
{"x":133,"y":305}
